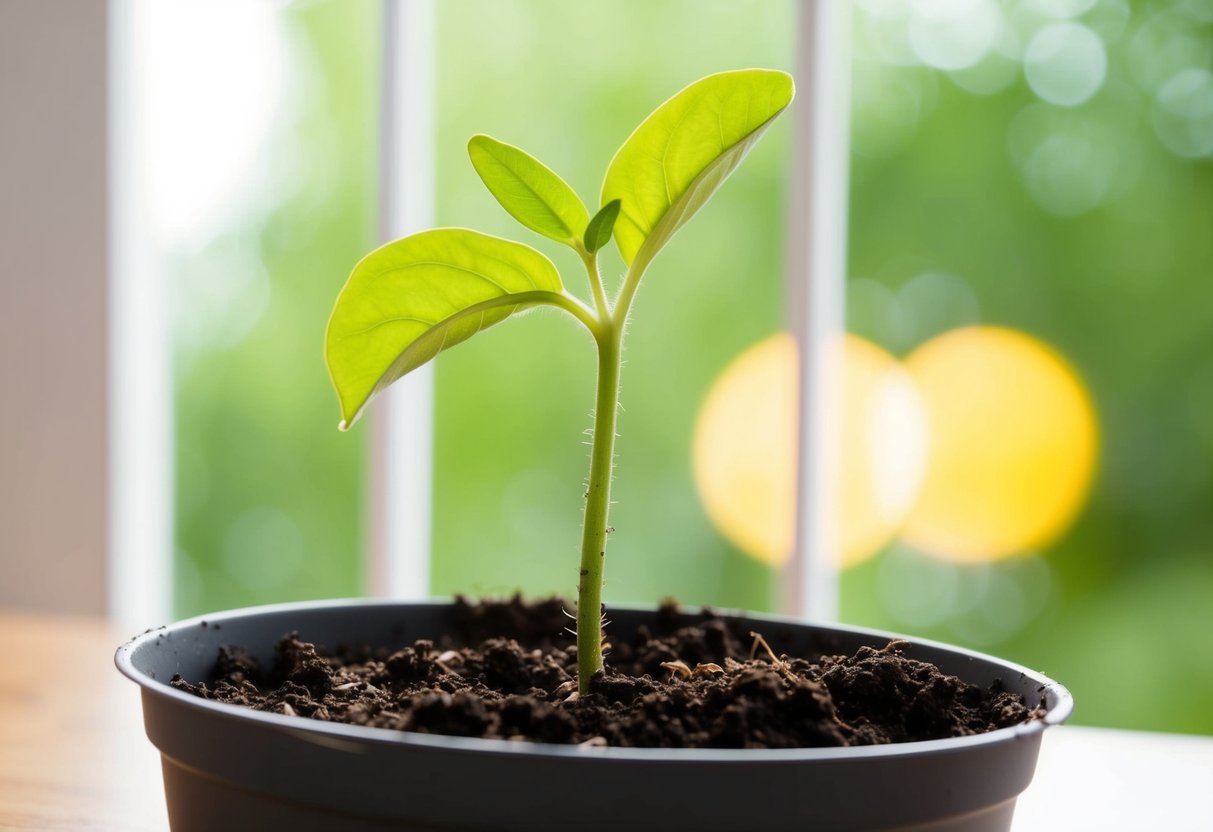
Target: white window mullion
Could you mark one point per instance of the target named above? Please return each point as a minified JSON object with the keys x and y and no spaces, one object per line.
{"x":140,"y":546}
{"x":817,"y":234}
{"x":402,"y":437}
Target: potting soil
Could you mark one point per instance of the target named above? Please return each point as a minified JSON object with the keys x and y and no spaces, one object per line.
{"x":687,"y":681}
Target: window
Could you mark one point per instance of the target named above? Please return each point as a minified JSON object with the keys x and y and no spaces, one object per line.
{"x":1027,"y":262}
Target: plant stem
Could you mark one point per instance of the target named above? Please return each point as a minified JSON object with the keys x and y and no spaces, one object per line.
{"x":598,"y":504}
{"x":609,"y":337}
{"x":591,"y":270}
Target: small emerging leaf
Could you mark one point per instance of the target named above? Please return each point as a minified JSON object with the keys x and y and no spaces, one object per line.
{"x":529,"y":190}
{"x":677,"y":158}
{"x":598,"y":232}
{"x":408,"y":300}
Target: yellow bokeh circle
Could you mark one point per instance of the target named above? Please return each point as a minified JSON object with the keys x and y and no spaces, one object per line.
{"x":1013,"y":444}
{"x":745,"y":450}
{"x":981,"y":445}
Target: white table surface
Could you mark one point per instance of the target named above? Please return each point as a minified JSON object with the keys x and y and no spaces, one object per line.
{"x":1119,"y":781}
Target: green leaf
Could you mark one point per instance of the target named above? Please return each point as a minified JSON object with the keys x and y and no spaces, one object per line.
{"x":528,"y":190}
{"x":677,"y":158}
{"x":598,"y":232}
{"x":408,"y":300}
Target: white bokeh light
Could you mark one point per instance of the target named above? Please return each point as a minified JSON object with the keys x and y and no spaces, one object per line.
{"x":1069,"y":174}
{"x":1164,"y":44}
{"x":1065,"y":63}
{"x":954,"y":34}
{"x":1183,"y":117}
{"x":1074,"y":160}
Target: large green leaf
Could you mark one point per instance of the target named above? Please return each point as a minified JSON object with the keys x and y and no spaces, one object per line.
{"x":677,"y":158}
{"x":529,"y":190}
{"x":408,"y":300}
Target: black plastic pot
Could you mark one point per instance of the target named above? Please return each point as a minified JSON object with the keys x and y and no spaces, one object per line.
{"x":230,"y":768}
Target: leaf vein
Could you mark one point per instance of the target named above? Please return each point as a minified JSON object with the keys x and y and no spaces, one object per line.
{"x":456,"y":267}
{"x":392,"y":320}
{"x":665,"y":152}
{"x":534,"y":193}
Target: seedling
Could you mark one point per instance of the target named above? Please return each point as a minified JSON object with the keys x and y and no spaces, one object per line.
{"x":407,"y":301}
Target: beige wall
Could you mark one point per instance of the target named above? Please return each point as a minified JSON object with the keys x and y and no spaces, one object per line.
{"x":52,"y":304}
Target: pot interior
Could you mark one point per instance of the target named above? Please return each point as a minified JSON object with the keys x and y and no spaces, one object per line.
{"x":189,"y":648}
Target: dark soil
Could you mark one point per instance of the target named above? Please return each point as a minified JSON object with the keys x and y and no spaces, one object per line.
{"x":509,"y":674}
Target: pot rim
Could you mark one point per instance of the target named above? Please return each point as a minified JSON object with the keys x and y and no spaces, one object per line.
{"x":331,"y":733}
